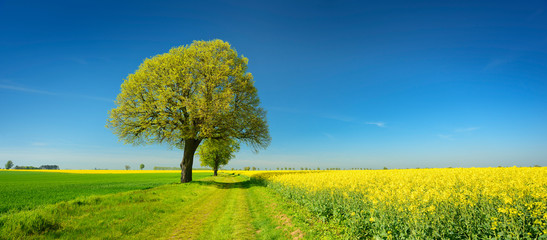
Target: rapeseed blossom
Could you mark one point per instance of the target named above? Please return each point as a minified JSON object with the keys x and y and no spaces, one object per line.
{"x":422,"y":203}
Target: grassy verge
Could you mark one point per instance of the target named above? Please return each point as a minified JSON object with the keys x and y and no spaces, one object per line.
{"x":24,"y":190}
{"x":224,"y":207}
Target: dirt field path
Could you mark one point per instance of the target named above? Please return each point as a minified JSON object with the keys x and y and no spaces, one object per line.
{"x":235,"y":209}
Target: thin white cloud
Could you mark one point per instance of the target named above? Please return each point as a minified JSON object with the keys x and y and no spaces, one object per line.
{"x":38,"y":144}
{"x":457,"y":132}
{"x":468,"y":129}
{"x":339,"y":118}
{"x":78,"y":60}
{"x":379,"y":124}
{"x":534,"y":15}
{"x":494,"y":63}
{"x":329,"y":136}
{"x":286,"y":110}
{"x":30,"y":90}
{"x":445,"y":136}
{"x":91,"y":97}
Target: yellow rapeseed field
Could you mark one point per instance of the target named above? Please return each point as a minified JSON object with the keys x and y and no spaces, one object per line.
{"x":424,"y":203}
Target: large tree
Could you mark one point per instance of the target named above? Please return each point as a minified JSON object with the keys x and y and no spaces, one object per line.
{"x":217,"y":152}
{"x":194,"y":92}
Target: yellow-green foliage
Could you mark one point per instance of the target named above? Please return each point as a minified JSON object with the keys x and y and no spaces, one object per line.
{"x":217,"y":152}
{"x":196,"y":92}
{"x":424,"y":203}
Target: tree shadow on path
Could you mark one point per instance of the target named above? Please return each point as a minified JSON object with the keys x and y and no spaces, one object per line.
{"x":227,"y":181}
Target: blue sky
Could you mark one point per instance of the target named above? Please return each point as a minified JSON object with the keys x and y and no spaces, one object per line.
{"x":400,"y":84}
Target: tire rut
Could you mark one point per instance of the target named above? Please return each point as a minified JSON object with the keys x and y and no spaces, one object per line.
{"x":195,"y":219}
{"x":242,"y":225}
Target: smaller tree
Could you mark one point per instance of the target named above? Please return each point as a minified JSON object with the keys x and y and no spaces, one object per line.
{"x":215,"y":153}
{"x":142,"y":166}
{"x":127,"y":167}
{"x":9,"y":164}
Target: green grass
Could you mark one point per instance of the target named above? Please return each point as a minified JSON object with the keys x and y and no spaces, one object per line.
{"x":27,"y":190}
{"x":223,"y":207}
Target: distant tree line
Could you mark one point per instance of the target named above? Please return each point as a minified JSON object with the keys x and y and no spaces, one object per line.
{"x":199,"y":168}
{"x":25,"y":167}
{"x":47,"y":167}
{"x":9,"y":165}
{"x":177,"y":168}
{"x":50,"y":167}
{"x":166,"y":168}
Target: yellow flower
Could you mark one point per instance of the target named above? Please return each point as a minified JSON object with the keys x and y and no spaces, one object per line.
{"x":425,"y":194}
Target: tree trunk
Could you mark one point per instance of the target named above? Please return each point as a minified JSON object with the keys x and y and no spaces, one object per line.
{"x":215,"y":170}
{"x":190,"y":146}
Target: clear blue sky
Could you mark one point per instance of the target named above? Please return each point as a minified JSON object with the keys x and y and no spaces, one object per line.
{"x":401,"y":84}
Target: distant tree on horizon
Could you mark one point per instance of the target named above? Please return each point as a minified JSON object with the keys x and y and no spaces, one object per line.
{"x":9,"y":164}
{"x":142,"y":166}
{"x":127,"y":167}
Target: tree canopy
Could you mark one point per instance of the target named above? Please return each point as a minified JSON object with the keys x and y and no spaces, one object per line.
{"x":215,"y":153}
{"x":194,"y":92}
